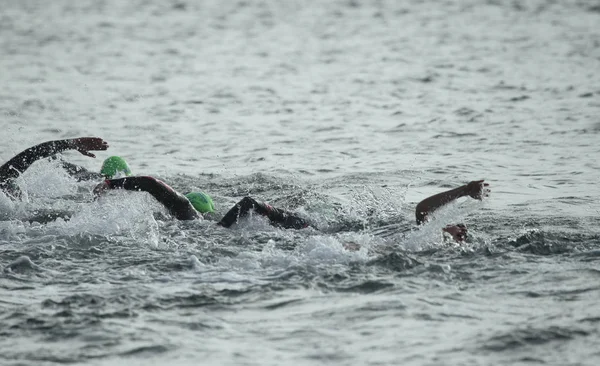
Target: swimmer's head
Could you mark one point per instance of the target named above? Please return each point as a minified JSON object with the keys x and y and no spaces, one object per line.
{"x":201,"y":202}
{"x":115,"y":167}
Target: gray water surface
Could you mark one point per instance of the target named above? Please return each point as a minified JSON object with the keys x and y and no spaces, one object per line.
{"x":347,"y":112}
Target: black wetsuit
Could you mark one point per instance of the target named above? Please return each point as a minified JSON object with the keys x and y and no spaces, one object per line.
{"x":277,"y":216}
{"x":80,"y":173}
{"x":10,"y":170}
{"x":174,"y":202}
{"x":181,"y":208}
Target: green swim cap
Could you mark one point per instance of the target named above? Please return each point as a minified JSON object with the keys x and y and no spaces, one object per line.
{"x":113,"y":166}
{"x":201,"y":201}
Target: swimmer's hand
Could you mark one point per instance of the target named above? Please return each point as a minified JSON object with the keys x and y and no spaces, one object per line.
{"x":85,"y":144}
{"x":477,"y":189}
{"x":100,"y":188}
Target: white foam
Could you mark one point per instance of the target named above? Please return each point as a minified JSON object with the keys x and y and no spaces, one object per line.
{"x":330,"y":249}
{"x":7,"y":206}
{"x":196,"y":264}
{"x":114,"y":214}
{"x":312,"y":251}
{"x":47,"y":179}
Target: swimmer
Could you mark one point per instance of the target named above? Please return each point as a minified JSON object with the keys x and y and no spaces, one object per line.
{"x":112,"y":167}
{"x":276,"y":216}
{"x":183,"y":207}
{"x":115,"y":167}
{"x":476,"y":189}
{"x":11,"y":170}
{"x":192,"y":205}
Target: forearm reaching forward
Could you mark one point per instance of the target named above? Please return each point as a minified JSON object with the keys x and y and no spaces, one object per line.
{"x":17,"y":165}
{"x":174,"y":202}
{"x":475,"y":189}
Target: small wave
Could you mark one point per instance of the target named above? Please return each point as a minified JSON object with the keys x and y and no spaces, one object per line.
{"x":366,"y":287}
{"x":532,"y":336}
{"x":146,"y":350}
{"x":284,"y":303}
{"x":20,"y":264}
{"x":195,"y":263}
{"x":395,"y":261}
{"x":542,"y":242}
{"x":76,"y":301}
{"x":178,"y":301}
{"x":594,"y":9}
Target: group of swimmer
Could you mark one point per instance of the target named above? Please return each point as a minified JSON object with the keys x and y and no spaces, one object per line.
{"x":116,"y":174}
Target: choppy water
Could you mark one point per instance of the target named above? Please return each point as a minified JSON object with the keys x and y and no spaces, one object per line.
{"x":349,"y":112}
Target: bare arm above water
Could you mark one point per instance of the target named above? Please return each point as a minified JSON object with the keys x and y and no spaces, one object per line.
{"x":476,"y":189}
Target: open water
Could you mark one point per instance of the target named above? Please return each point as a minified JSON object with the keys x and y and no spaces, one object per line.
{"x":347,"y":112}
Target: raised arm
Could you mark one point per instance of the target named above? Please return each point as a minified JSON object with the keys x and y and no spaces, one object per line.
{"x":17,"y":165}
{"x":476,"y":189}
{"x":174,"y":202}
